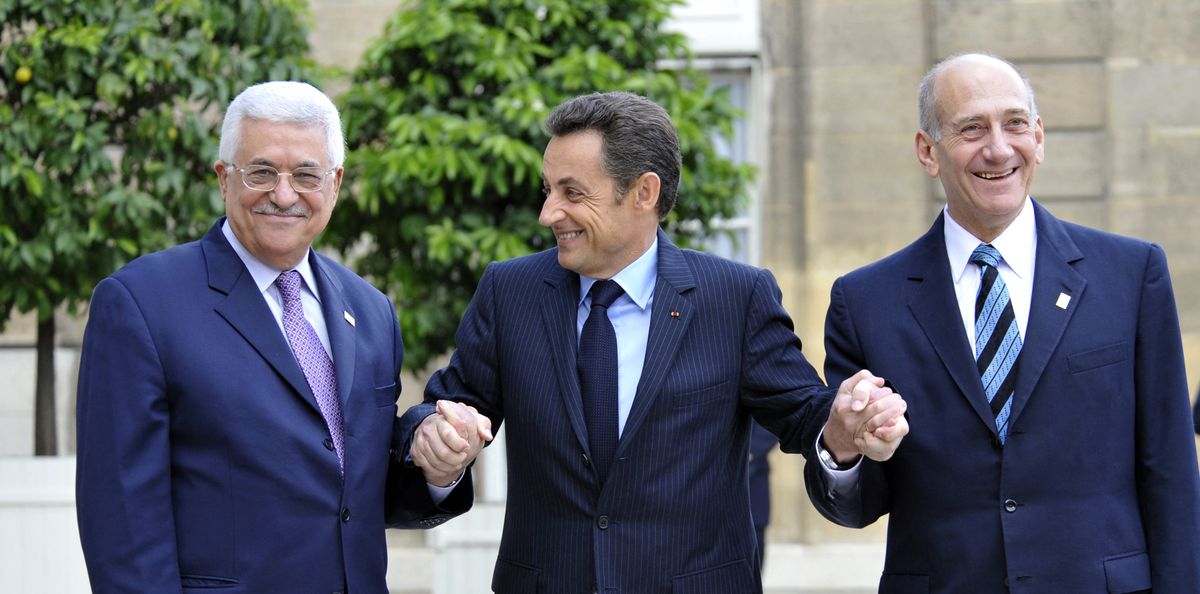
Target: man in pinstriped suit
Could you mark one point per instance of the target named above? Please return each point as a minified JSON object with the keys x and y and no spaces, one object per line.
{"x":703,"y":344}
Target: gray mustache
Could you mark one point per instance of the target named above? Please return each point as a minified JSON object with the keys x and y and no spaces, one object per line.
{"x":270,"y":209}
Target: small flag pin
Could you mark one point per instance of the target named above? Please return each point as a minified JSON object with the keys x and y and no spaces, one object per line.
{"x":349,"y":318}
{"x":675,"y":314}
{"x":1063,"y":300}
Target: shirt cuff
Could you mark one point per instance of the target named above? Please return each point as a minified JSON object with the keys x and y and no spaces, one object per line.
{"x":841,"y":482}
{"x":439,"y":494}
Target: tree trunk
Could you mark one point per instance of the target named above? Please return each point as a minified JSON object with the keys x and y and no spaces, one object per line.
{"x":45,"y":435}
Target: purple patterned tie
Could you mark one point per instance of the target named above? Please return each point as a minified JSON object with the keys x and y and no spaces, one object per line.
{"x":314,"y":361}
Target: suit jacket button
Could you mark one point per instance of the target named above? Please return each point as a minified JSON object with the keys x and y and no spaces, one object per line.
{"x":602,"y":522}
{"x":345,"y":514}
{"x":328,"y":444}
{"x":1010,"y":506}
{"x":996,"y":442}
{"x":586,"y":461}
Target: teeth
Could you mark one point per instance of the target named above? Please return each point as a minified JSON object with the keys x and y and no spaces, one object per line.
{"x":986,"y":175}
{"x":571,"y":235}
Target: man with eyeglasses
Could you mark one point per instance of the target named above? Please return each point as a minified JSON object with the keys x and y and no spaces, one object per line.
{"x":237,"y":394}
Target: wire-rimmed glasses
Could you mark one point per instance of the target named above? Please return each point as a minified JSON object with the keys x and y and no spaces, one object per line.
{"x":264,"y":178}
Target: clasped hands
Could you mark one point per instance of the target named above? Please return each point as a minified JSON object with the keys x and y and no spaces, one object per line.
{"x":866,"y":419}
{"x":447,"y":441}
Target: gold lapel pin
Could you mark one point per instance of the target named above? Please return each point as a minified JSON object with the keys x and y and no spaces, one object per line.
{"x":1063,"y":300}
{"x":349,"y":318}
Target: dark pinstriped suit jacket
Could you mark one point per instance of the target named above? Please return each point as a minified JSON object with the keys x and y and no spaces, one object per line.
{"x":674,"y":515}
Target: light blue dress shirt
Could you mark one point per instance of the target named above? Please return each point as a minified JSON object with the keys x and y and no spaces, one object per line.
{"x":630,"y":317}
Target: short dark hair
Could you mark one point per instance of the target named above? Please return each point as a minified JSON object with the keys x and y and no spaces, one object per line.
{"x":637,"y":135}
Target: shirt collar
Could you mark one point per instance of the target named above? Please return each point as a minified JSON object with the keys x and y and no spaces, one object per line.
{"x":1016,"y":243}
{"x":637,"y":279}
{"x":264,"y":275}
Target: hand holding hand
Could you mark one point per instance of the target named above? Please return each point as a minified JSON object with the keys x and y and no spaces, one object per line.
{"x":447,"y":441}
{"x":866,"y":419}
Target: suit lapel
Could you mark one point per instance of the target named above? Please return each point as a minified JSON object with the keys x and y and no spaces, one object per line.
{"x":666,"y":332}
{"x":245,"y":310}
{"x":1054,"y":275}
{"x":341,"y":332}
{"x":560,"y":305}
{"x":931,"y":298}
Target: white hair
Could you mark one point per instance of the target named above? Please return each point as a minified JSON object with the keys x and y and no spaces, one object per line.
{"x":283,"y":101}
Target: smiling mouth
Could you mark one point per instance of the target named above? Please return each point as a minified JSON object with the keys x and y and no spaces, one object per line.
{"x":568,"y":235}
{"x":995,"y":174}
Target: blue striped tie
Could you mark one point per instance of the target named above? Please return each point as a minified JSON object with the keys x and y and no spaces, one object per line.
{"x":997,"y":339}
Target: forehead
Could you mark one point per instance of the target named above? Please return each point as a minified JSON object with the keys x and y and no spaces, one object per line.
{"x":978,"y":88}
{"x":281,"y":142}
{"x":576,"y":154}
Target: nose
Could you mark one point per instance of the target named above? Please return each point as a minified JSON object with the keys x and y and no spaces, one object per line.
{"x":283,"y":195}
{"x":998,"y":147}
{"x":551,"y":213}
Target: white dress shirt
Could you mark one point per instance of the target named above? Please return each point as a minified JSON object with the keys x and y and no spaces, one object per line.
{"x":1017,"y":245}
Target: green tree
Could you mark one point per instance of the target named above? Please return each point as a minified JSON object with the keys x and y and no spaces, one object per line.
{"x":109,"y":112}
{"x":444,"y":122}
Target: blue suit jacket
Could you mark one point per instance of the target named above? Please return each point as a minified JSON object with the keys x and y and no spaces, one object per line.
{"x":203,"y":459}
{"x":673,"y":515}
{"x":1096,"y":489}
{"x":1196,"y":414}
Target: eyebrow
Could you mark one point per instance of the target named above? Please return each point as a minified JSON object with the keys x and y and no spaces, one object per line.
{"x":270,"y":163}
{"x":1021,"y":111}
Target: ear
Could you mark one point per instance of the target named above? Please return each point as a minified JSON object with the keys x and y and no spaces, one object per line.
{"x":926,"y":153}
{"x":1040,"y":134}
{"x":337,"y":183}
{"x":222,"y":177}
{"x":645,"y":192}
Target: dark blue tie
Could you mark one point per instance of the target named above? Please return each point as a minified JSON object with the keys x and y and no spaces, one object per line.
{"x":597,"y":365}
{"x":997,"y":339}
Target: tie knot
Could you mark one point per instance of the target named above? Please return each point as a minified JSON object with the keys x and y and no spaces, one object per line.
{"x":289,"y":286}
{"x":986,"y":255}
{"x":605,"y":292}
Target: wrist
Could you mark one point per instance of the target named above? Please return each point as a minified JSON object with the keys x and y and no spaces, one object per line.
{"x":835,"y":459}
{"x":444,"y":481}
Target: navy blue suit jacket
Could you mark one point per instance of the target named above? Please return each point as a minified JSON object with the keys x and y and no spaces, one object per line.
{"x":1096,"y":489}
{"x":203,"y":459}
{"x":673,"y":514}
{"x":1196,"y":413}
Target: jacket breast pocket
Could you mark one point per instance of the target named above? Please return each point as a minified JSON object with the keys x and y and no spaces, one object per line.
{"x":702,"y":395}
{"x":385,"y":395}
{"x":1096,"y":358}
{"x":206,"y":582}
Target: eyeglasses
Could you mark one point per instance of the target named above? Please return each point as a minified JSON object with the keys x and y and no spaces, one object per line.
{"x":264,"y":178}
